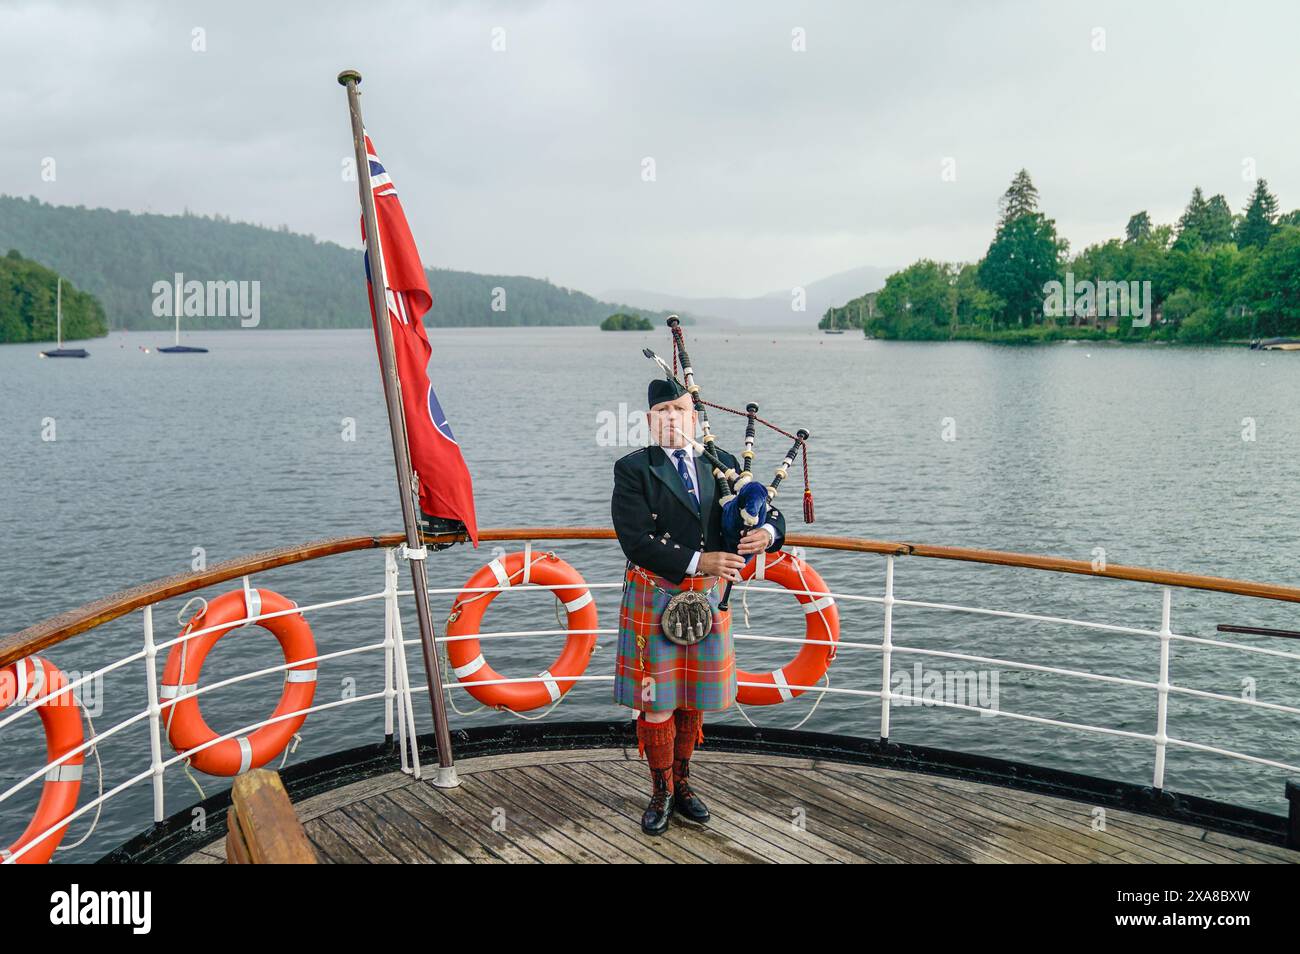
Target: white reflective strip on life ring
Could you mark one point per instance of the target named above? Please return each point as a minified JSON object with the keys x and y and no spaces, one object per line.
{"x":245,"y":754}
{"x":171,"y":692}
{"x":813,"y":606}
{"x":300,"y":675}
{"x":499,"y":572}
{"x":471,"y":667}
{"x":39,"y":679}
{"x":6,"y":854}
{"x":760,"y":565}
{"x":30,"y":688}
{"x":552,"y":686}
{"x":782,"y":686}
{"x":252,"y":603}
{"x":574,"y":605}
{"x":64,"y":773}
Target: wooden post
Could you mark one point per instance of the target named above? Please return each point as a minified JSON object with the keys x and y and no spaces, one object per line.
{"x":261,"y":827}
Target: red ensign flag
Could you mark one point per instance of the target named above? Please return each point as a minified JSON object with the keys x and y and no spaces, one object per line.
{"x":446,"y":489}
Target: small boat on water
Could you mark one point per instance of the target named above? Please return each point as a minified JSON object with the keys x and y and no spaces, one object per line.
{"x":1276,"y":344}
{"x":177,"y":347}
{"x":60,"y":351}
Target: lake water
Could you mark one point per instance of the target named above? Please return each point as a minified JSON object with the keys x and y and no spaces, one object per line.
{"x":1177,"y":458}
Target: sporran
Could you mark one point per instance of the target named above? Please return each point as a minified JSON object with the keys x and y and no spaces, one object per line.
{"x":687,"y":618}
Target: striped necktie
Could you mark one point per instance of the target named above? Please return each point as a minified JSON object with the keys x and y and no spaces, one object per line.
{"x":686,"y":475}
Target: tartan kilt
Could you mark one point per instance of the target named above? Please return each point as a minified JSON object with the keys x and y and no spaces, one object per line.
{"x":702,"y":676}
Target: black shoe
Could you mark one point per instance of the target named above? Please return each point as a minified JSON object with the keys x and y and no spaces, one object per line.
{"x":686,"y":802}
{"x":660,"y":809}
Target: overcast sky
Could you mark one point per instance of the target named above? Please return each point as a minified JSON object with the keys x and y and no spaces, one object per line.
{"x":774,"y":167}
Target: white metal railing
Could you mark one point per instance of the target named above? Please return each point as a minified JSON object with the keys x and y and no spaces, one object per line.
{"x":396,"y":687}
{"x":397,"y":693}
{"x":887,"y":647}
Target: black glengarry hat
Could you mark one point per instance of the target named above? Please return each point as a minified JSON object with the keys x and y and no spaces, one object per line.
{"x":663,"y":389}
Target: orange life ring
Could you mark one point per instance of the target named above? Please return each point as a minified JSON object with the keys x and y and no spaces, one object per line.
{"x":185,"y":726}
{"x":821,"y":622}
{"x":467,"y":616}
{"x":33,"y":679}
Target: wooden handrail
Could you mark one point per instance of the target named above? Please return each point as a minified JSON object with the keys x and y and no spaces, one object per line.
{"x":49,"y":632}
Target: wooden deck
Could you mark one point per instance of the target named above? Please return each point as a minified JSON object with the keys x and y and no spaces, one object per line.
{"x":585,"y":806}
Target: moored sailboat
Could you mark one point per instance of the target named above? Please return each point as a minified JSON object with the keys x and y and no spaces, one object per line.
{"x":177,"y":347}
{"x":59,"y":351}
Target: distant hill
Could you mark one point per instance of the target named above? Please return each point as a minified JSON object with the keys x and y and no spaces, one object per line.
{"x":28,"y":301}
{"x":771,"y":310}
{"x":305,"y":283}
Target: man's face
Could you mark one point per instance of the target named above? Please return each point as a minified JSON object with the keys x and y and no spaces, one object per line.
{"x":670,"y":419}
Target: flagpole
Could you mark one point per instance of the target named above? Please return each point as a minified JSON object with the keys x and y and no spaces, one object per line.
{"x":414,"y":550}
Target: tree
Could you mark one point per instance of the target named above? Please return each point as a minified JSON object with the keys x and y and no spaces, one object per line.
{"x":1193,"y":217}
{"x":1204,"y":222}
{"x":1274,"y":283}
{"x":1186,"y":306}
{"x":621,"y":321}
{"x":305,"y":283}
{"x":29,"y":299}
{"x":1257,"y":227}
{"x":917,"y":302}
{"x":1138,"y":228}
{"x":1020,"y":199}
{"x":976,"y":305}
{"x":1146,"y":262}
{"x":1024,"y":256}
{"x":1218,"y":226}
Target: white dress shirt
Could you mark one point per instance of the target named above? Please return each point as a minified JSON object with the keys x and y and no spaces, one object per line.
{"x":695,"y":482}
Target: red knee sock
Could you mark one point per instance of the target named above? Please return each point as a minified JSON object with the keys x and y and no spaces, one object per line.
{"x":690,"y":729}
{"x":655,"y":742}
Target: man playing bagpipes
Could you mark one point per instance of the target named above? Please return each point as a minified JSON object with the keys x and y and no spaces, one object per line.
{"x":668,"y":519}
{"x":675,"y":653}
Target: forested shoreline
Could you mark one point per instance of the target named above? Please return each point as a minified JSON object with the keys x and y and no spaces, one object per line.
{"x":1211,"y":276}
{"x":29,"y":297}
{"x":117,"y":256}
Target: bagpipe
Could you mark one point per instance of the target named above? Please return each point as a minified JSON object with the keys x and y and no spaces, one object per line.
{"x":746,"y":501}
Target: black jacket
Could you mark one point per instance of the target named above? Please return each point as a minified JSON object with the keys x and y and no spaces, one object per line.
{"x":658,"y":525}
